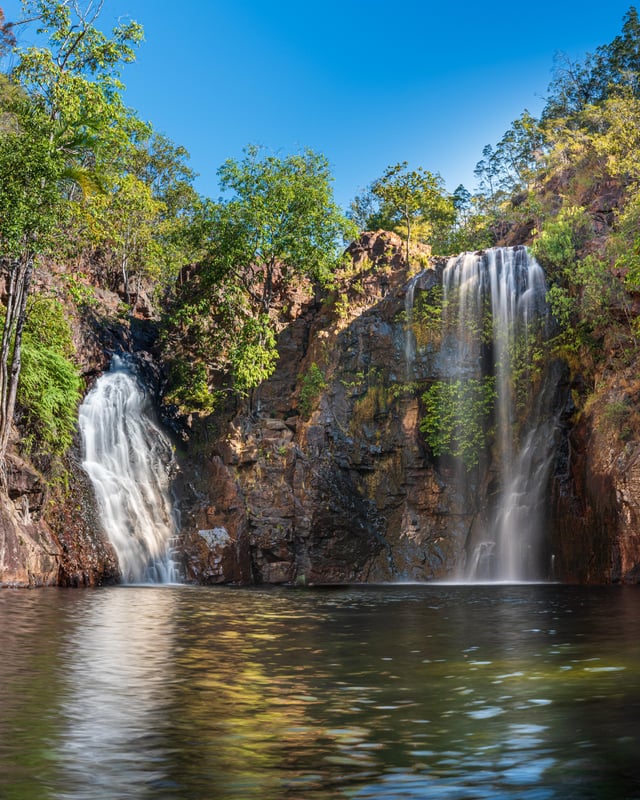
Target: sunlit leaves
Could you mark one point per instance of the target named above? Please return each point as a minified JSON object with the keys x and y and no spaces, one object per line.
{"x":50,"y":384}
{"x":284,"y":213}
{"x":557,"y":243}
{"x":414,"y":202}
{"x":30,"y":173}
{"x":253,"y":353}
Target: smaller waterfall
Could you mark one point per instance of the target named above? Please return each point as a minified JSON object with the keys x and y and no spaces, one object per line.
{"x":409,"y":337}
{"x":128,"y":459}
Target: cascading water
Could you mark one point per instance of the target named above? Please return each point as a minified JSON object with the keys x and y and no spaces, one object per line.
{"x":409,"y":338}
{"x":494,"y":307}
{"x":128,"y":459}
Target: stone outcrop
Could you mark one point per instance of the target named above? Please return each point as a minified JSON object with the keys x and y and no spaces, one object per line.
{"x":51,"y":538}
{"x":329,"y":479}
{"x":596,"y":501}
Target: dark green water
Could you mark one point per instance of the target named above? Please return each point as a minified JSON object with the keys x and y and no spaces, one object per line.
{"x":527,"y":692}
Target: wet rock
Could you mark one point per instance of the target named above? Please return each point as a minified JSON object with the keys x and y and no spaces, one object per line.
{"x":87,"y":557}
{"x":29,"y":554}
{"x":346,"y":491}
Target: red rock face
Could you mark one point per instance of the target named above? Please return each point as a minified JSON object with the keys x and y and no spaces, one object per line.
{"x":29,"y":555}
{"x":342,"y":486}
{"x":336,"y":485}
{"x":596,"y":520}
{"x":47,"y":541}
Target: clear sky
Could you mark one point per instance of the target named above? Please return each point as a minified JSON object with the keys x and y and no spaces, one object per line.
{"x":366,"y":83}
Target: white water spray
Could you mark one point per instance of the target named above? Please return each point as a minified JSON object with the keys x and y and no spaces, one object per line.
{"x":128,"y":459}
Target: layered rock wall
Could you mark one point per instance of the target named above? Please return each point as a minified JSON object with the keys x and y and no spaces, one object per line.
{"x":330,"y":480}
{"x":337,"y":484}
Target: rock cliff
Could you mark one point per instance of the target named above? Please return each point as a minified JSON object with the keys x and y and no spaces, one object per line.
{"x":596,"y":499}
{"x":329,"y":478}
{"x":50,"y":533}
{"x":323,"y":475}
{"x":326,"y":476}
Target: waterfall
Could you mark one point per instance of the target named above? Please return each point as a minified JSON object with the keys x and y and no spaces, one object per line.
{"x":495,"y":310}
{"x":128,"y":459}
{"x":409,"y":337}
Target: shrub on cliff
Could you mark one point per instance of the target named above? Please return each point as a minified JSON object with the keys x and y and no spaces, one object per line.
{"x":50,"y":385}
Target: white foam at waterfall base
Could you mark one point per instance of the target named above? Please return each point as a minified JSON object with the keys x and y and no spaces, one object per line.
{"x":128,"y":459}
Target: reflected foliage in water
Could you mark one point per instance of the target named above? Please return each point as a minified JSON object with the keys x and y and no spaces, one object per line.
{"x":370,"y":692}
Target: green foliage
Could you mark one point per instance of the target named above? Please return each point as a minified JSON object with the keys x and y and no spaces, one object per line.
{"x":624,"y":245}
{"x":561,"y":305}
{"x":50,"y":386}
{"x":511,"y":164}
{"x":29,"y":181}
{"x":280,"y":214}
{"x":528,"y":355}
{"x":578,"y":84}
{"x":427,"y":316}
{"x":398,"y":391}
{"x":60,"y":109}
{"x":253,"y":354}
{"x":189,"y":389}
{"x":277,"y":227}
{"x":312,"y":384}
{"x":457,"y":418}
{"x":475,"y":232}
{"x":413,"y":203}
{"x":616,"y":416}
{"x":364,"y":211}
{"x":122,"y":222}
{"x":599,"y":291}
{"x":138,"y":222}
{"x":583,"y":306}
{"x":557,"y":244}
{"x":74,"y":77}
{"x":78,"y":291}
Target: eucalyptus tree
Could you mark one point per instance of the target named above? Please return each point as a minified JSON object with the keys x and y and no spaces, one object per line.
{"x":413,"y":199}
{"x":66,"y":107}
{"x":138,"y":222}
{"x":579,"y":84}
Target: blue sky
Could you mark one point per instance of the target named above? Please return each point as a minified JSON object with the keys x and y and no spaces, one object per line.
{"x":367,"y":84}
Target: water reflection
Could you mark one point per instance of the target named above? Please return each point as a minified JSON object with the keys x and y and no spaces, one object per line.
{"x":393,"y":692}
{"x":114,"y":713}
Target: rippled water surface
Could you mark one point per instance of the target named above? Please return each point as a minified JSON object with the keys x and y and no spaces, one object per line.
{"x":527,"y":692}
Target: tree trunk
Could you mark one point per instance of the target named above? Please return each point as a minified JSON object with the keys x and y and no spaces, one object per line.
{"x":125,"y":277}
{"x":11,"y":351}
{"x":6,"y":335}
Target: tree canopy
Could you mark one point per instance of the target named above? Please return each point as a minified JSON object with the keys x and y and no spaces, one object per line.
{"x":413,"y":202}
{"x":276,"y":226}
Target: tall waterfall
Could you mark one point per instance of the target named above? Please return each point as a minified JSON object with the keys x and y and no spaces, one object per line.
{"x":128,"y":459}
{"x":494,"y":310}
